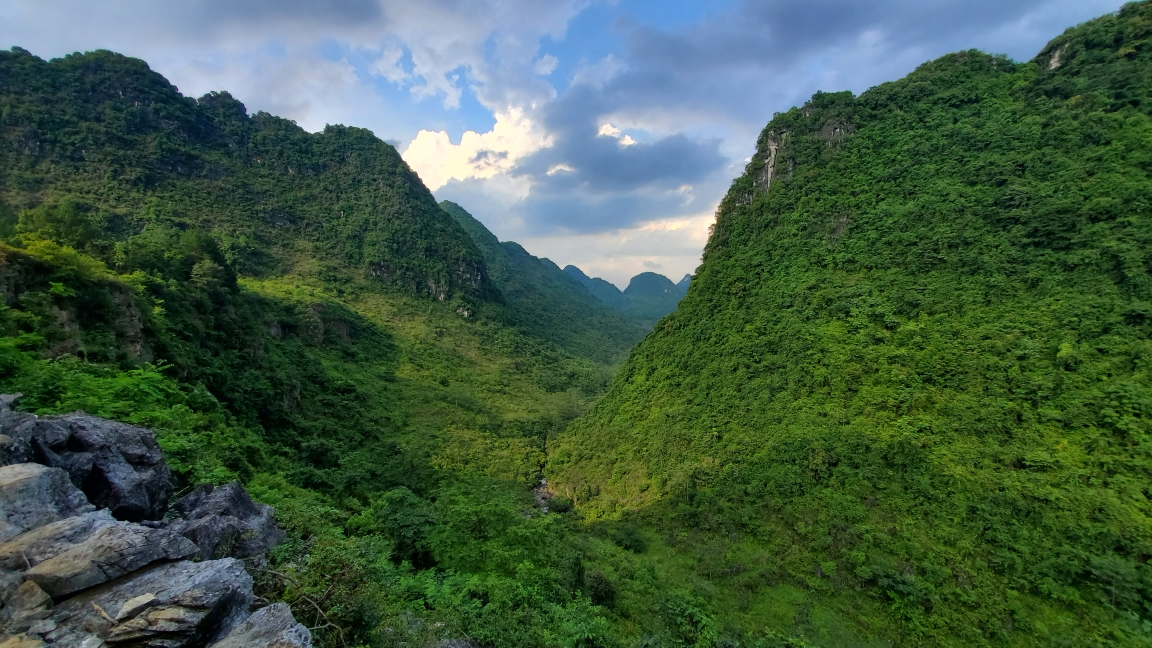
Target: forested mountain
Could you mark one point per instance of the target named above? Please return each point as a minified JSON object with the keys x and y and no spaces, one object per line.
{"x":603,"y":290}
{"x":295,"y":311}
{"x":544,"y":300}
{"x":907,"y":398}
{"x":648,"y":297}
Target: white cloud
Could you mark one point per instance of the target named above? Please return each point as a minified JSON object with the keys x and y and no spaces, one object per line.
{"x":546,"y":65}
{"x":669,"y":246}
{"x":478,"y":155}
{"x":608,"y":130}
{"x":389,"y":65}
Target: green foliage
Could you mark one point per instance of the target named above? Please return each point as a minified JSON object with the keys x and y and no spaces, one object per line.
{"x":911,"y":376}
{"x":107,"y":141}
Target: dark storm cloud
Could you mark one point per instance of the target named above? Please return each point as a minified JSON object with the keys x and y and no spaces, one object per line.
{"x":601,"y":164}
{"x":591,"y":182}
{"x":557,"y":206}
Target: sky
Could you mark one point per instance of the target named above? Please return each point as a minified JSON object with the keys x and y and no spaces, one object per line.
{"x":599,"y":133}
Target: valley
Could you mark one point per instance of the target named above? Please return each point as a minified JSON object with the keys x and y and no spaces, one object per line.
{"x":904,"y":400}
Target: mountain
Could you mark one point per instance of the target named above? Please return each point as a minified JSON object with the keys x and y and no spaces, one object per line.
{"x":907,"y":399}
{"x":294,"y":311}
{"x":606,"y":292}
{"x":547,"y":302}
{"x":121,"y":142}
{"x":648,"y":297}
{"x":652,"y":295}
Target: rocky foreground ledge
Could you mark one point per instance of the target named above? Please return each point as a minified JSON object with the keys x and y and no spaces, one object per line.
{"x":92,"y":555}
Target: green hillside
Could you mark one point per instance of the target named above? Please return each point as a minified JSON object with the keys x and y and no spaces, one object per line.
{"x":653,"y":295}
{"x":546,"y":301}
{"x":906,"y":400}
{"x":109,"y":133}
{"x":294,"y":310}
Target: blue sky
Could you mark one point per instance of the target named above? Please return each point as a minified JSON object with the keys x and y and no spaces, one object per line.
{"x":595,"y":132}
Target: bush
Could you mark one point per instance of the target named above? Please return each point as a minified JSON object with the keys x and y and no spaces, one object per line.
{"x":599,"y":588}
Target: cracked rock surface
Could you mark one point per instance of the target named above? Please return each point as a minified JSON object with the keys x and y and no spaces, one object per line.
{"x":77,"y":571}
{"x":224,"y":521}
{"x":118,"y":466}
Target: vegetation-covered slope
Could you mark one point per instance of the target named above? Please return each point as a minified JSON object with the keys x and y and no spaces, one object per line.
{"x":294,"y":311}
{"x":653,"y":295}
{"x":108,"y":132}
{"x":603,"y":290}
{"x":546,"y":301}
{"x":906,"y":400}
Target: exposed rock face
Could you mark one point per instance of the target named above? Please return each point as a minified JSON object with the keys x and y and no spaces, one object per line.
{"x":108,"y":553}
{"x":27,"y":550}
{"x":224,"y":521}
{"x":173,"y":604}
{"x":119,"y":583}
{"x":118,"y":467}
{"x":32,"y":495}
{"x":272,"y":626}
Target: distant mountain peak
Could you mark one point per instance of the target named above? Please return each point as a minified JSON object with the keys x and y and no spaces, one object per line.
{"x":577,"y":273}
{"x":649,"y":295}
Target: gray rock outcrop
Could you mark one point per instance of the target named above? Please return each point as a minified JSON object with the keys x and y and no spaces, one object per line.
{"x":29,"y":549}
{"x":171,"y":605}
{"x":225,"y":522}
{"x":118,"y":466}
{"x":272,"y":626}
{"x":32,"y":495}
{"x":105,"y":555}
{"x":72,"y":576}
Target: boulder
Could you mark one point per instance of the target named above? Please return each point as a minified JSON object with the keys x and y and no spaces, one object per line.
{"x":118,"y":466}
{"x":31,"y":548}
{"x":32,"y":495}
{"x":270,"y":627}
{"x":171,"y":605}
{"x":114,"y":570}
{"x":109,"y":553}
{"x":224,"y":521}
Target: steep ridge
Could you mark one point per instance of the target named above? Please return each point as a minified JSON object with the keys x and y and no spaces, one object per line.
{"x":602,"y":290}
{"x":546,"y":301}
{"x":906,"y":400}
{"x":108,"y":133}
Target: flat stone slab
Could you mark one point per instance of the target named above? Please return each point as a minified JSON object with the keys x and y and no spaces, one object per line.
{"x":192,"y":604}
{"x":31,"y":548}
{"x":107,"y":554}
